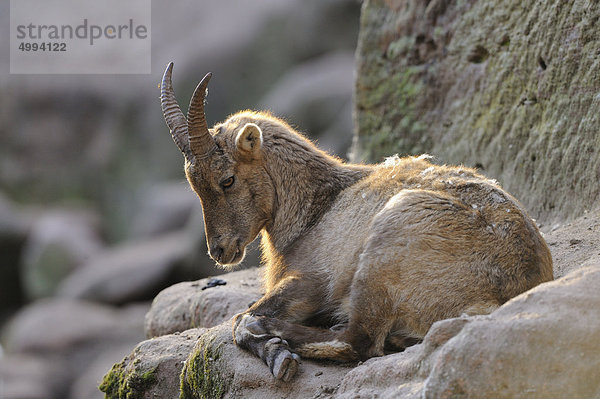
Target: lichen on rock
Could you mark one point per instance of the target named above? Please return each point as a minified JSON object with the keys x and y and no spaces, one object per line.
{"x":510,"y":87}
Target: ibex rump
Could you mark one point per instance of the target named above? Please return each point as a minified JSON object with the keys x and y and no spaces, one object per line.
{"x":360,"y":259}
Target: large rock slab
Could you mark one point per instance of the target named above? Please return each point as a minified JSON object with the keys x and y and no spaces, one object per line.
{"x":199,"y":304}
{"x":508,"y":86}
{"x":544,"y":343}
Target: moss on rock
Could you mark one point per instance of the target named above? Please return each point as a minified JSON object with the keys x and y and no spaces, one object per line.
{"x":125,"y":382}
{"x":200,"y":377}
{"x":511,"y":87}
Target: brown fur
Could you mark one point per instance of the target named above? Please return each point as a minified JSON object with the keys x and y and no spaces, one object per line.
{"x":379,"y":251}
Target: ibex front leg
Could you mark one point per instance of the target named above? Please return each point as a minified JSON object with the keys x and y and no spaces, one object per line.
{"x":250,"y":331}
{"x":273,"y":350}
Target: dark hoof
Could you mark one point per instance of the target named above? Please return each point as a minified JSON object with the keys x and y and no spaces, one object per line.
{"x":282,"y":362}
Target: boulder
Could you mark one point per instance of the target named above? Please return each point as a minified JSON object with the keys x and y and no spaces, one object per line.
{"x":152,"y":370}
{"x":59,"y":242}
{"x":132,"y":271}
{"x":196,"y":304}
{"x":68,"y":324}
{"x":510,"y":87}
{"x":317,"y":96}
{"x":33,"y":377}
{"x":544,"y":343}
{"x":51,"y":343}
{"x":86,"y":382}
{"x":164,"y":207}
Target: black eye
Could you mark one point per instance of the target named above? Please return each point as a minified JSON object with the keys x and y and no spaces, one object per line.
{"x":227,"y":182}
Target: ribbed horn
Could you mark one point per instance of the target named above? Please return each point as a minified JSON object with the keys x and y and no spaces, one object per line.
{"x":175,"y":119}
{"x":201,"y":142}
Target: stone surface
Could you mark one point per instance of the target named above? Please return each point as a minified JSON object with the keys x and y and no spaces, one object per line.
{"x":132,"y":271}
{"x":217,"y":368}
{"x":511,"y":87}
{"x":59,"y":242}
{"x":187,"y":305}
{"x":574,"y":244}
{"x":152,"y":370}
{"x":544,"y":343}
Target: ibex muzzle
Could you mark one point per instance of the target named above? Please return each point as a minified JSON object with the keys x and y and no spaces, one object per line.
{"x":358,"y":257}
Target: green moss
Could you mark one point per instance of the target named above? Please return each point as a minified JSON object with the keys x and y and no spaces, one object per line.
{"x":123,"y":383}
{"x":200,"y":377}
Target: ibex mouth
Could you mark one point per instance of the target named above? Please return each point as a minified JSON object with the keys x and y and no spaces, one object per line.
{"x":228,"y":257}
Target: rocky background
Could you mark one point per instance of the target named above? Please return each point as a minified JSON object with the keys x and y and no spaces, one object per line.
{"x":95,"y":215}
{"x":95,"y":219}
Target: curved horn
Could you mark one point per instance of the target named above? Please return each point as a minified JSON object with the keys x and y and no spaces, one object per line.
{"x":201,"y":142}
{"x":175,"y":119}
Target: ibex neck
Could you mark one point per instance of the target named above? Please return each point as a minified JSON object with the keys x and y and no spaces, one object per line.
{"x":307,"y":182}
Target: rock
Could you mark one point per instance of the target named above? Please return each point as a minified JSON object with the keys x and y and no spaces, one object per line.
{"x":31,"y":377}
{"x":133,"y":271}
{"x":59,"y":242}
{"x":584,"y":230}
{"x":187,"y":305}
{"x":164,"y":208}
{"x":218,"y":368}
{"x":545,"y":343}
{"x":51,"y":342}
{"x":152,"y":370}
{"x":86,"y":384}
{"x":315,"y":95}
{"x":487,"y":84}
{"x":59,"y":325}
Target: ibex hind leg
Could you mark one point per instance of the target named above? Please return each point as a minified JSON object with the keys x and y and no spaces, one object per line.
{"x":272,"y":349}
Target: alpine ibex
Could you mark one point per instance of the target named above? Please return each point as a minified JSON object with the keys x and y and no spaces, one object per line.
{"x":360,"y":259}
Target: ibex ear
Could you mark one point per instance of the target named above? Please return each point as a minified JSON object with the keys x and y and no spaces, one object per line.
{"x":249,"y":139}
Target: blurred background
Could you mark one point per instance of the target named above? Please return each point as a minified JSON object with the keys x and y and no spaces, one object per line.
{"x":95,"y":215}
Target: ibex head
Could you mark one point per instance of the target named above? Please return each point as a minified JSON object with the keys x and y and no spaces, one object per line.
{"x":223,"y":167}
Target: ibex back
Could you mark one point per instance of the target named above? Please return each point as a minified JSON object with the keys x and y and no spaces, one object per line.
{"x":360,"y":259}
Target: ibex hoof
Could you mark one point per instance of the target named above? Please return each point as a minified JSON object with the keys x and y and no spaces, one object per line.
{"x":282,"y":362}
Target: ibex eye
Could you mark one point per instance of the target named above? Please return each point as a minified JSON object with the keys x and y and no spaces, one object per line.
{"x":227,"y":182}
